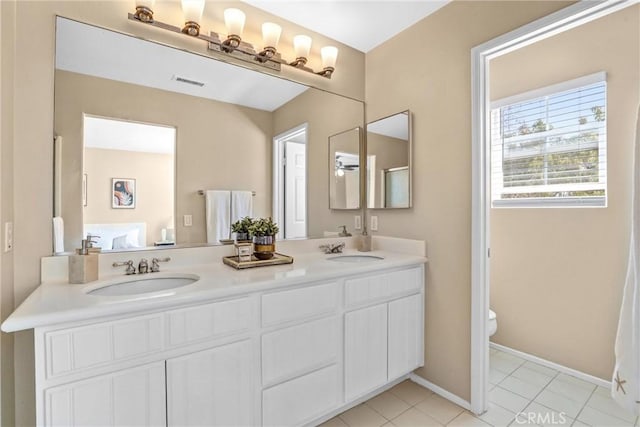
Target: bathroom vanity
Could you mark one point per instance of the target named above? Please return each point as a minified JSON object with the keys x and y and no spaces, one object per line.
{"x":283,"y":345}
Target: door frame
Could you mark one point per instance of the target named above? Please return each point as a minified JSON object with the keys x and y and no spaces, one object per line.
{"x":563,"y":20}
{"x":278,"y":191}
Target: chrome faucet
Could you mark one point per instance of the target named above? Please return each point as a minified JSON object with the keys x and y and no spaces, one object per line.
{"x":333,"y":248}
{"x":344,"y":232}
{"x":143,"y":266}
{"x":155,"y":266}
{"x":130,"y":268}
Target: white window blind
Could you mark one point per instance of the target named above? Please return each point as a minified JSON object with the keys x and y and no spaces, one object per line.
{"x":548,"y":146}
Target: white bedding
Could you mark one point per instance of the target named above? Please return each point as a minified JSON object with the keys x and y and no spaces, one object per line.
{"x":118,"y":236}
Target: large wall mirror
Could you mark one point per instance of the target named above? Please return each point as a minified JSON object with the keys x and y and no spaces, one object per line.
{"x":145,"y":131}
{"x":389,"y":146}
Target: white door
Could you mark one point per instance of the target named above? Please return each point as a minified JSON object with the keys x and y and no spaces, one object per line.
{"x":213,"y":387}
{"x":295,"y":190}
{"x":365,"y":342}
{"x":405,"y":336}
{"x":133,"y":397}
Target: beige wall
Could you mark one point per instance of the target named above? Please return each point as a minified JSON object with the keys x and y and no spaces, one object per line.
{"x":426,"y":68}
{"x":7,"y":58}
{"x":153,"y":173}
{"x":557,"y":274}
{"x":205,"y":158}
{"x":33,"y":127}
{"x":332,"y":115}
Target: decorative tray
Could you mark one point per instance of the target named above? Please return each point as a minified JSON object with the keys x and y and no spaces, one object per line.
{"x":255,"y":262}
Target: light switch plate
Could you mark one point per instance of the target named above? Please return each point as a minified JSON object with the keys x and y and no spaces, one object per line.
{"x":8,"y":236}
{"x":374,"y":223}
{"x":188,"y":220}
{"x":357,"y":222}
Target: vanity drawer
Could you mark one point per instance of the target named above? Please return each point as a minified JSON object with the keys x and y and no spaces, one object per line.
{"x":383,"y":286}
{"x":300,"y":303}
{"x":203,"y":322}
{"x":299,"y":349}
{"x":303,"y":399}
{"x":90,"y":346}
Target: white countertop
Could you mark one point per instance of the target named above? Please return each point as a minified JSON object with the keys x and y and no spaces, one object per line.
{"x":58,"y":302}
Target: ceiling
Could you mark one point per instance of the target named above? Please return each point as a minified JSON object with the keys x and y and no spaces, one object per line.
{"x":361,"y":24}
{"x":110,"y":134}
{"x":132,"y":60}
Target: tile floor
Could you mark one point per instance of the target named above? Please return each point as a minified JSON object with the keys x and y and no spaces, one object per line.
{"x":541,"y":396}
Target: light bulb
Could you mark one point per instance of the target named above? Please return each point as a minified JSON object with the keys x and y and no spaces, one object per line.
{"x":271,"y":34}
{"x":329,"y":55}
{"x":192,"y":11}
{"x":301,"y":46}
{"x":234,"y":20}
{"x":144,"y":10}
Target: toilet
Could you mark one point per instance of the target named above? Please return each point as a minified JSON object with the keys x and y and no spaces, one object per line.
{"x":493,"y":322}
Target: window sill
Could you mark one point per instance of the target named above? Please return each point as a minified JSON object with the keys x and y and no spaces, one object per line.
{"x":556,"y":202}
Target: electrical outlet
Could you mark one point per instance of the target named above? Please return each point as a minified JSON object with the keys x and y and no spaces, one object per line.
{"x":374,"y":223}
{"x":357,"y":222}
{"x":188,"y":220}
{"x":8,"y":236}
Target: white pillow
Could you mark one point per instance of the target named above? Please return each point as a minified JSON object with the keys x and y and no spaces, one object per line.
{"x":126,"y":241}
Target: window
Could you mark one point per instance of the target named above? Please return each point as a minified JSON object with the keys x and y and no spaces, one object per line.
{"x":548,"y":146}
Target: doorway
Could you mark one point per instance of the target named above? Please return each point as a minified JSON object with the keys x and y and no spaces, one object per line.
{"x":290,"y":182}
{"x":559,"y":22}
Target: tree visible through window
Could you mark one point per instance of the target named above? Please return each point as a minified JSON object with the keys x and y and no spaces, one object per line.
{"x":551,"y":145}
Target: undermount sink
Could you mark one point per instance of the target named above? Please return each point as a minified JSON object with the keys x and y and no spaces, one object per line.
{"x":355,"y":258}
{"x":145,"y":284}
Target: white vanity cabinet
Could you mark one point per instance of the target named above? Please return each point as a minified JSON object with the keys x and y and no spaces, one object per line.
{"x":384,"y":340}
{"x":213,"y":387}
{"x":278,"y":357}
{"x":131,"y":397}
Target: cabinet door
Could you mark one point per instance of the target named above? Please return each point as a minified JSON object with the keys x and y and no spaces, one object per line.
{"x":405,"y":335}
{"x":213,"y":387}
{"x":365,"y":350}
{"x":133,"y":397}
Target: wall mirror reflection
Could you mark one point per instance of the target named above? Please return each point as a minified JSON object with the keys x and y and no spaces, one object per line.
{"x":344,"y":169}
{"x":389,"y":146}
{"x":227,"y":122}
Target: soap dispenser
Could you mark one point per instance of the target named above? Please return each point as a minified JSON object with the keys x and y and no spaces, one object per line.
{"x":83,"y":267}
{"x":364,"y":245}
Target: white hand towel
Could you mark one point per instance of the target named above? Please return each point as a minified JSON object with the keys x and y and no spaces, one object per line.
{"x":241,"y":205}
{"x":218,"y":213}
{"x":58,"y":234}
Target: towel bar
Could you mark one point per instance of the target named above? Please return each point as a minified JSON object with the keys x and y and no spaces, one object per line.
{"x":201,"y":192}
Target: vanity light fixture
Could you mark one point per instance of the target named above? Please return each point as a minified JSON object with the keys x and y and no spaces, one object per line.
{"x":301,"y":46}
{"x":192,"y":10}
{"x":234,"y":20}
{"x":329,"y":55}
{"x":233,"y":45}
{"x":144,"y":10}
{"x":270,"y":38}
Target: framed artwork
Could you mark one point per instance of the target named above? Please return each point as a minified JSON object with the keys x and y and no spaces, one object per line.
{"x":84,"y":190}
{"x":123,"y":192}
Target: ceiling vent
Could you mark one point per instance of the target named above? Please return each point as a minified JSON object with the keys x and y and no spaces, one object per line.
{"x":188,"y":81}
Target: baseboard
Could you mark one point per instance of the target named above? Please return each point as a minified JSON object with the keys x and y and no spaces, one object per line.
{"x":553,"y":365}
{"x":440,"y":391}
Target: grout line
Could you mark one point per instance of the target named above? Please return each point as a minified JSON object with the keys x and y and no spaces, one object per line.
{"x":585,"y":405}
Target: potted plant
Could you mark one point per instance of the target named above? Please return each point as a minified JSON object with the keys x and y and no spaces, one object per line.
{"x":241,"y":228}
{"x":264,"y":232}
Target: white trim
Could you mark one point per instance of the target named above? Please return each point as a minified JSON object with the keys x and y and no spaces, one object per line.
{"x":552,"y":202}
{"x":556,"y":366}
{"x":440,"y":391}
{"x":565,"y":86}
{"x":277,"y":210}
{"x":563,"y":20}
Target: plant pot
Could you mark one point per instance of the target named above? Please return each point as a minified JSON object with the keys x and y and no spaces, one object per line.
{"x":264,"y":247}
{"x":243,"y":237}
